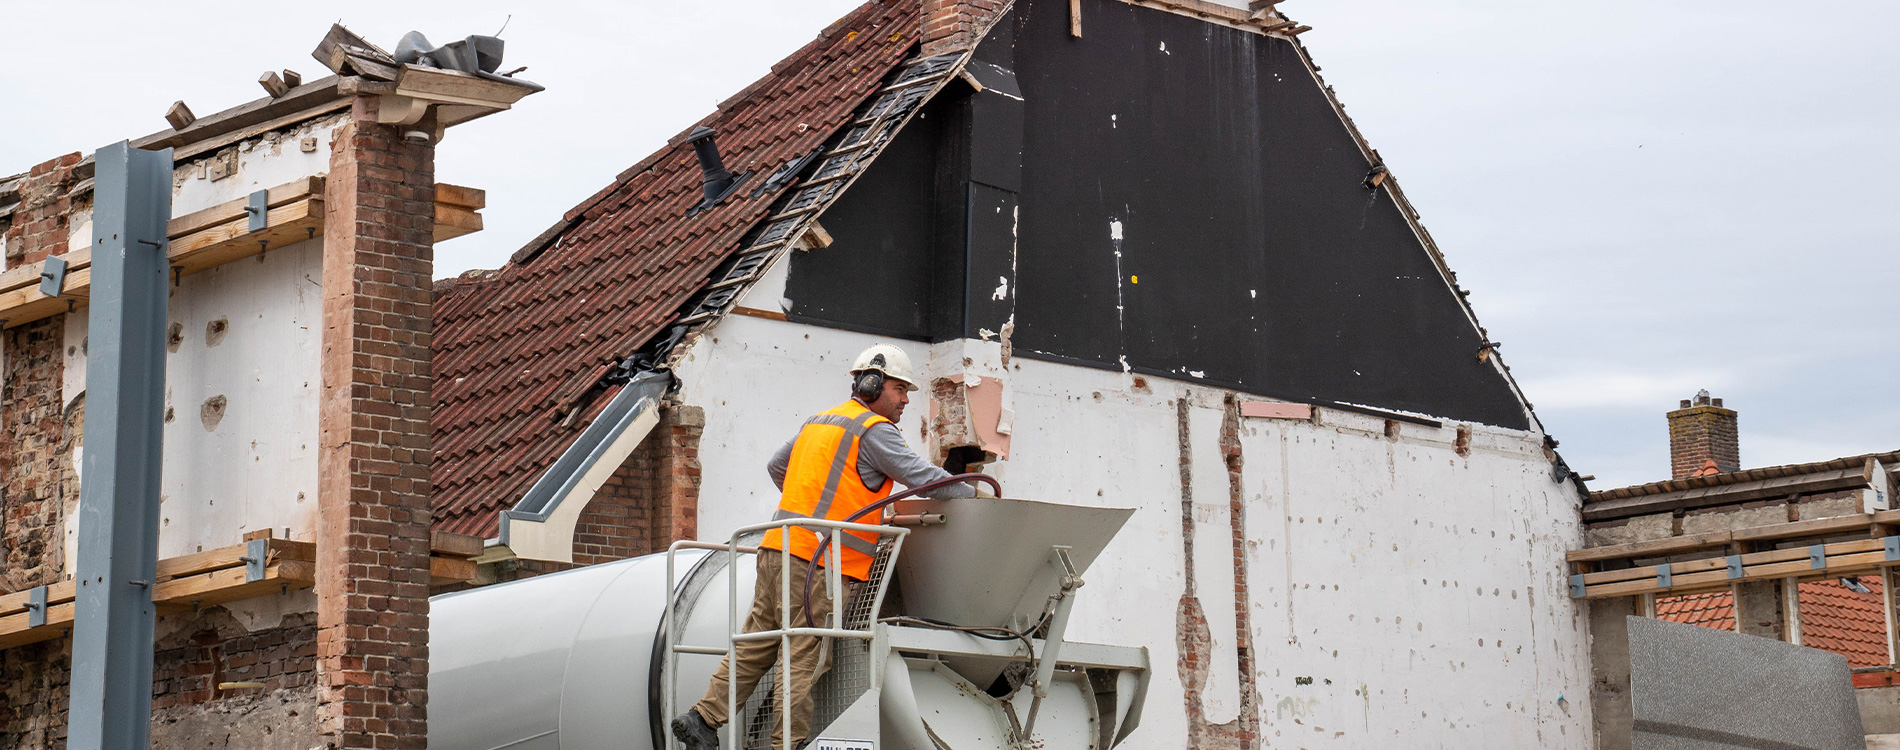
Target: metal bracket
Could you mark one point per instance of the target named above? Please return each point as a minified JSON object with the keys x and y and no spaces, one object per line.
{"x":256,"y":556}
{"x":1576,"y":586}
{"x":259,"y":210}
{"x":1893,"y":548}
{"x":1068,"y":580}
{"x":53,"y":276}
{"x":1817,"y":556}
{"x":1663,"y":578}
{"x":36,"y":607}
{"x":1735,"y":566}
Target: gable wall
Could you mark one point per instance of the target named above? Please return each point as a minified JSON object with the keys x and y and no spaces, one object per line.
{"x":1417,"y":578}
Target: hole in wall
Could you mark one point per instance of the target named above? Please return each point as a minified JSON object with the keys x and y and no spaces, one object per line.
{"x":215,"y":331}
{"x":212,"y":412}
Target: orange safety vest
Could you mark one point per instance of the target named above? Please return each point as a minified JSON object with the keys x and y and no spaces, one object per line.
{"x":822,"y":481}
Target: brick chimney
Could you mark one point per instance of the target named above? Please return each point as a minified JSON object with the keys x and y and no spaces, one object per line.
{"x":1703,"y":438}
{"x":954,"y":25}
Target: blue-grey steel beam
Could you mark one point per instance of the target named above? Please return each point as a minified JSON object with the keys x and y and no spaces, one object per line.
{"x":111,"y":704}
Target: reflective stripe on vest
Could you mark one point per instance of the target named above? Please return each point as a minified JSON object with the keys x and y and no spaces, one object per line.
{"x":840,"y":493}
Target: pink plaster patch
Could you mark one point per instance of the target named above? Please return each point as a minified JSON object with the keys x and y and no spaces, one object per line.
{"x":1275,"y":410}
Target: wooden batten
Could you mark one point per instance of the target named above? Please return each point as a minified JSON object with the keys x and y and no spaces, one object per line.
{"x":206,"y":239}
{"x":219,"y":576}
{"x":1800,"y":550}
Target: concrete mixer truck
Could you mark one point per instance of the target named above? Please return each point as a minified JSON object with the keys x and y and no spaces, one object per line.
{"x":955,"y":641}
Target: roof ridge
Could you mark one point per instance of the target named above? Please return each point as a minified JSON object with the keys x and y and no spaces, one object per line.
{"x":1744,"y":475}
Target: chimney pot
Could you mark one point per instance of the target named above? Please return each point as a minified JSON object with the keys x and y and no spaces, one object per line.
{"x":1703,"y":438}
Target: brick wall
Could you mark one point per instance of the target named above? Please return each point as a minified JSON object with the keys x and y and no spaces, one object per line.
{"x":1700,"y":432}
{"x":652,"y":499}
{"x":38,"y":680}
{"x":40,"y":222}
{"x":31,"y":401}
{"x":211,"y":649}
{"x":30,"y":488}
{"x":373,"y":492}
{"x":952,"y":25}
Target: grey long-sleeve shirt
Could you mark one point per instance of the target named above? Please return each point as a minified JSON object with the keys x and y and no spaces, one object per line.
{"x":881,"y":453}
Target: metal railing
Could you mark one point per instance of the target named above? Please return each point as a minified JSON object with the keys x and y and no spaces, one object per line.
{"x":833,"y":585}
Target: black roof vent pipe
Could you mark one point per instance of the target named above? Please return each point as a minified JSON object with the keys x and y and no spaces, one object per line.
{"x":717,"y":181}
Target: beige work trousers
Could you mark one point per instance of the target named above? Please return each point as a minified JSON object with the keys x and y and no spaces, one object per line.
{"x":807,"y":659}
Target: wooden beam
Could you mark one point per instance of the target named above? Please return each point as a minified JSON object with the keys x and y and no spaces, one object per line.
{"x":454,"y":221}
{"x":1696,"y":542}
{"x":455,"y":545}
{"x":228,"y":585}
{"x":289,"y":192}
{"x":455,"y":87}
{"x":179,"y":115}
{"x":15,"y":603}
{"x":81,"y":258}
{"x":232,"y":557}
{"x":178,"y":594}
{"x":273,"y":84}
{"x":14,"y":630}
{"x":1075,"y":18}
{"x":1773,"y":488}
{"x":465,"y":197}
{"x":447,"y":570}
{"x":1839,"y":559}
{"x":218,"y":235}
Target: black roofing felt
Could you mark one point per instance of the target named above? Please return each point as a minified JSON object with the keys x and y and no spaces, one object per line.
{"x":1251,"y":254}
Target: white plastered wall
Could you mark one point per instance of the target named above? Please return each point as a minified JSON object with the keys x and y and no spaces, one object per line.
{"x":1419,"y":589}
{"x":250,"y":333}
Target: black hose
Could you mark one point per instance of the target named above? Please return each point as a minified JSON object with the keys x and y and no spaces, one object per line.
{"x":824,"y":538}
{"x":985,"y":632}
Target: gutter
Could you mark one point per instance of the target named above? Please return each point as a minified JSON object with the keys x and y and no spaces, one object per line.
{"x":540,"y":526}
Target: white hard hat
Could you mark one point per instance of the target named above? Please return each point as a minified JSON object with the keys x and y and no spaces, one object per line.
{"x":887,"y":359}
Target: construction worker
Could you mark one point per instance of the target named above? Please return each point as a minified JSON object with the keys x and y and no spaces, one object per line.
{"x":841,"y":461}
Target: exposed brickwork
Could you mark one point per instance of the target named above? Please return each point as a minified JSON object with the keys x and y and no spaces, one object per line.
{"x":652,"y":500}
{"x":950,"y":424}
{"x":31,"y":404}
{"x":38,"y":681}
{"x":1192,"y":635}
{"x":190,"y":664}
{"x":952,"y":25}
{"x":373,"y":494}
{"x":1700,"y":432}
{"x":40,"y":223}
{"x":30,"y":488}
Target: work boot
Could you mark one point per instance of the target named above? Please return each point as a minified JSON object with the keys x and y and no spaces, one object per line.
{"x":693,"y":732}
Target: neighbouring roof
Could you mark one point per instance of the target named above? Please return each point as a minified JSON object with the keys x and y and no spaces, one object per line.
{"x":1736,"y":486}
{"x":1833,"y":618}
{"x":521,"y":352}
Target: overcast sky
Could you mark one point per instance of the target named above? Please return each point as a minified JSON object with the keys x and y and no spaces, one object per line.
{"x":1646,"y":198}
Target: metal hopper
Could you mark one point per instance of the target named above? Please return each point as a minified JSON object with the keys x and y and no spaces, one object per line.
{"x":991,"y":562}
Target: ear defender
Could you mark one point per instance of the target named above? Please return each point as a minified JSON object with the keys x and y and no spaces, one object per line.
{"x":869,"y":386}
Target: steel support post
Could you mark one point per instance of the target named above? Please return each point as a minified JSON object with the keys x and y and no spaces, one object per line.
{"x":111,"y":703}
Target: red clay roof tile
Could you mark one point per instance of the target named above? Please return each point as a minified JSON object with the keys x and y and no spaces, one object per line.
{"x":515,"y":347}
{"x":1833,"y":618}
